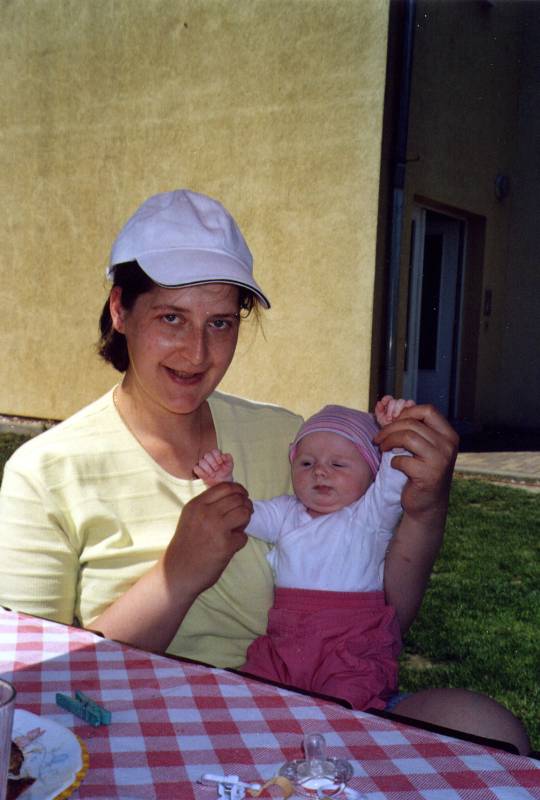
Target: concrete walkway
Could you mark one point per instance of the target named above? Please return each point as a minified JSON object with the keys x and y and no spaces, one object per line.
{"x":521,"y":469}
{"x":507,"y":456}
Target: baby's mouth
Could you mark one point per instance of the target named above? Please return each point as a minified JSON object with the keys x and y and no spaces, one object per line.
{"x":322,"y":488}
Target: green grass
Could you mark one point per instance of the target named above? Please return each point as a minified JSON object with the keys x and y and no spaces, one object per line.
{"x":479,"y":626}
{"x":8,"y":443}
{"x":480,"y":621}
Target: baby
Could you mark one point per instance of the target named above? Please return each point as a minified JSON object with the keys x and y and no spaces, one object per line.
{"x":330,"y":630}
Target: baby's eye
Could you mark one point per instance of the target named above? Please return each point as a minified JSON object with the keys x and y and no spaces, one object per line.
{"x":338,"y":464}
{"x":305,"y":463}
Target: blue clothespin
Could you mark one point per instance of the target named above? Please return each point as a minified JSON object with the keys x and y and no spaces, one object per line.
{"x":103,"y":713}
{"x":85,"y":708}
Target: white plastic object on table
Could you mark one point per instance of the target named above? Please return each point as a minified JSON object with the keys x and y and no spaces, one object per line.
{"x":229,"y":787}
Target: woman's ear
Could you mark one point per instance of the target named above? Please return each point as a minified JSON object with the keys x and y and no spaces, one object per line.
{"x":117,"y":310}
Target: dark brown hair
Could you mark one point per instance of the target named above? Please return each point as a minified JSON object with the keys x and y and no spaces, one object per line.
{"x":133,"y":282}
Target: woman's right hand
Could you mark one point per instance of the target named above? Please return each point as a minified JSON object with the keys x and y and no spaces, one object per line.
{"x":209,"y":532}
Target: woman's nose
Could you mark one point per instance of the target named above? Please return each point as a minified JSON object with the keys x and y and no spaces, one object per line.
{"x":194,"y":347}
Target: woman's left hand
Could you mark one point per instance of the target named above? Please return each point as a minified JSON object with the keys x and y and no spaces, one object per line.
{"x":427,"y":435}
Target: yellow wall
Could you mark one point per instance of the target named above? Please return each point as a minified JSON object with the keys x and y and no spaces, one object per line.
{"x":273,"y":106}
{"x":473,"y":69}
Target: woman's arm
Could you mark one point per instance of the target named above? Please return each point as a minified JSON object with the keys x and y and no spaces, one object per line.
{"x":413,"y":550}
{"x":210,"y":531}
{"x":39,"y":563}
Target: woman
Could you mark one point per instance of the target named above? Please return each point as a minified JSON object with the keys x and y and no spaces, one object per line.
{"x":101,"y":520}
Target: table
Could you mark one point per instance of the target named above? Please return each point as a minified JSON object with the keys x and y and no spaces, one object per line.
{"x":173,"y":721}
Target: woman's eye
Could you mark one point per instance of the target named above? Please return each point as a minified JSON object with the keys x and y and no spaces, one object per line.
{"x":220,"y":324}
{"x":227,"y":324}
{"x":171,"y":319}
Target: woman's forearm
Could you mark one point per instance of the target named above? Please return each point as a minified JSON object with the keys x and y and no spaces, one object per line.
{"x":409,"y":561}
{"x":433,"y":444}
{"x":149,"y":614}
{"x":210,"y":531}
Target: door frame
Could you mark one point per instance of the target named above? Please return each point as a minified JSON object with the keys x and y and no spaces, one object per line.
{"x":412,"y":340}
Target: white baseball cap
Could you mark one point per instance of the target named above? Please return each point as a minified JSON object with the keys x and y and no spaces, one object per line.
{"x":183,"y":238}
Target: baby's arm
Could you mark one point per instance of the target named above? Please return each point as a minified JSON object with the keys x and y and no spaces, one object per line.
{"x":389,"y":408}
{"x":215,"y":467}
{"x":385,"y":493}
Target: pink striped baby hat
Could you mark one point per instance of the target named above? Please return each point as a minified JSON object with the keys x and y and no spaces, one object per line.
{"x":357,"y":426}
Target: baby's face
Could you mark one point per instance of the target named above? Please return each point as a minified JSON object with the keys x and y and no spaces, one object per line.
{"x":328,"y":473}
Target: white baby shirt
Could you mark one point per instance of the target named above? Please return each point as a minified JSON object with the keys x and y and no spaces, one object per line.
{"x":343,"y":551}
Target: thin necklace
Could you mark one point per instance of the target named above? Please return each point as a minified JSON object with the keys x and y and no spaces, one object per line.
{"x":130,"y":429}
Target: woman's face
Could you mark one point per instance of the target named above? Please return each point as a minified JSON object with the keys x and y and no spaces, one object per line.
{"x":180,"y":342}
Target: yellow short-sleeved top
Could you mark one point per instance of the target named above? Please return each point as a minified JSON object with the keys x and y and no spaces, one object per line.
{"x":85,"y":511}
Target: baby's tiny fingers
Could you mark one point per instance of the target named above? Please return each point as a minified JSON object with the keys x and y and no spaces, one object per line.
{"x":397,"y":407}
{"x":214,"y":459}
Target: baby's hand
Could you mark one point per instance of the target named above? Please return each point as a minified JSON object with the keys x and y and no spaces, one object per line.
{"x":388,"y":409}
{"x":215,"y":467}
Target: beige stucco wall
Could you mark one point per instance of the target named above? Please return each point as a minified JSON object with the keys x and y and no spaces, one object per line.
{"x":272,"y":106}
{"x":473,"y":69}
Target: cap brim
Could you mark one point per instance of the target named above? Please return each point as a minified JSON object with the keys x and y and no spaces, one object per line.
{"x":189,"y":267}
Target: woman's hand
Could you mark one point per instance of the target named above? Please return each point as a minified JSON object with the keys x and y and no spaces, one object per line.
{"x":209,"y":532}
{"x":425,"y":433}
{"x":433,"y":443}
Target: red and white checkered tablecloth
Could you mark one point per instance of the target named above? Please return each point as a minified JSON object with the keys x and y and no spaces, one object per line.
{"x":174,"y":721}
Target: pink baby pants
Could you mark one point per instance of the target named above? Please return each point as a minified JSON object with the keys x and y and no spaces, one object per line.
{"x":342,"y":644}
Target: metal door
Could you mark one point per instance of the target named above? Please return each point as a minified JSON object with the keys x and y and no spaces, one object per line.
{"x":434,"y":309}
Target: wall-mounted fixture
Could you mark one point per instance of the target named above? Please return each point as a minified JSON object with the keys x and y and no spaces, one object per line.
{"x":488,"y":299}
{"x":502,"y":186}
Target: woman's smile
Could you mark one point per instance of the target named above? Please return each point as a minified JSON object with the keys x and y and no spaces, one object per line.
{"x":185,"y":378}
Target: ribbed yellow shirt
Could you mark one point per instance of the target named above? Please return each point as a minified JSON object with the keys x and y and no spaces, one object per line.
{"x":85,"y":511}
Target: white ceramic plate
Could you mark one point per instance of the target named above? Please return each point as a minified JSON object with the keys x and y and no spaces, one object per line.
{"x":56,"y":758}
